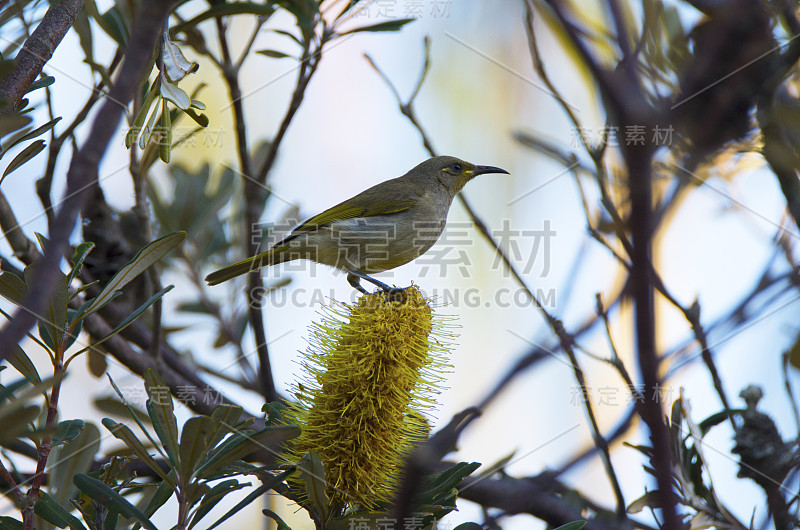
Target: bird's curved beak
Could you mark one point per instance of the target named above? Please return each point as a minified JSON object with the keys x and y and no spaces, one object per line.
{"x":480,"y":170}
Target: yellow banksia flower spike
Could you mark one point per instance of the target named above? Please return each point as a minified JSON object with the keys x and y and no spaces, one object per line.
{"x":372,"y":371}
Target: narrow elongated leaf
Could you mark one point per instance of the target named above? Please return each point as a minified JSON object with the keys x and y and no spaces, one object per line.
{"x":138,"y":121}
{"x":146,"y":257}
{"x":122,"y":432}
{"x":313,"y":474}
{"x":26,"y":154}
{"x":253,"y":495}
{"x":128,"y":320}
{"x":162,"y":413}
{"x":12,"y":288}
{"x":34,"y":133}
{"x":389,"y":25}
{"x":99,"y":491}
{"x":81,"y":251}
{"x":48,"y":509}
{"x":41,"y":83}
{"x":212,"y":498}
{"x":278,"y":521}
{"x":574,"y":525}
{"x":23,"y":364}
{"x":225,"y":10}
{"x":275,"y":54}
{"x":194,"y":445}
{"x":242,"y":443}
{"x":162,"y":494}
{"x":176,"y":95}
{"x":67,"y":430}
{"x":9,"y":523}
{"x":75,"y":456}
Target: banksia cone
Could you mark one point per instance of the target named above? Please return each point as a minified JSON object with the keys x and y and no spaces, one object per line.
{"x":372,"y":370}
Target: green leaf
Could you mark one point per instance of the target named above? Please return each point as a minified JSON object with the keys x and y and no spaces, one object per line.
{"x":12,"y":123}
{"x":162,"y":494}
{"x":122,"y":432}
{"x":574,"y":525}
{"x":41,"y":83}
{"x":138,"y":121}
{"x":52,"y":325}
{"x":194,"y":445}
{"x":176,"y":66}
{"x":225,"y":10}
{"x":199,"y":118}
{"x":162,"y":413}
{"x":29,"y":152}
{"x":23,"y":364}
{"x":75,"y":456}
{"x":253,"y":495}
{"x":176,"y":95}
{"x":146,"y":257}
{"x":48,"y":509}
{"x":33,"y":134}
{"x":128,"y":320}
{"x":9,"y":523}
{"x":273,"y":53}
{"x":212,"y":498}
{"x":165,"y":142}
{"x":312,"y":472}
{"x":67,"y":430}
{"x":99,"y":491}
{"x":275,"y":517}
{"x":12,"y":288}
{"x":389,"y":25}
{"x":242,"y":443}
{"x":81,"y":251}
{"x":115,"y":25}
{"x":147,"y":131}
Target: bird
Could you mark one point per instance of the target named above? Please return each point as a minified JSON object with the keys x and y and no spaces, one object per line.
{"x":383,"y":227}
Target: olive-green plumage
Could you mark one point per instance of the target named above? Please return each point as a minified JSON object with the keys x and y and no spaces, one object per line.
{"x":379,"y":229}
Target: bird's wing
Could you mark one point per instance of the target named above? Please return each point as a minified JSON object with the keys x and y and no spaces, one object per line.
{"x":355,"y":207}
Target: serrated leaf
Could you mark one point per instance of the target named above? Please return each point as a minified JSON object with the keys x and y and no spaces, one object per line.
{"x":26,"y":154}
{"x":99,"y":491}
{"x":146,"y":257}
{"x":389,"y":25}
{"x":176,"y":95}
{"x":67,"y":430}
{"x":273,"y":53}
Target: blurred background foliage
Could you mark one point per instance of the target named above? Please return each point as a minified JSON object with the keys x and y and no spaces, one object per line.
{"x":654,"y":160}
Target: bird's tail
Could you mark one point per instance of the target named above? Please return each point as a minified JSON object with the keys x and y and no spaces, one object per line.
{"x":271,"y":257}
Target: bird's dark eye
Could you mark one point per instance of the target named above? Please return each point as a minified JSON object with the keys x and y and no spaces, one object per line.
{"x":456,"y":167}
